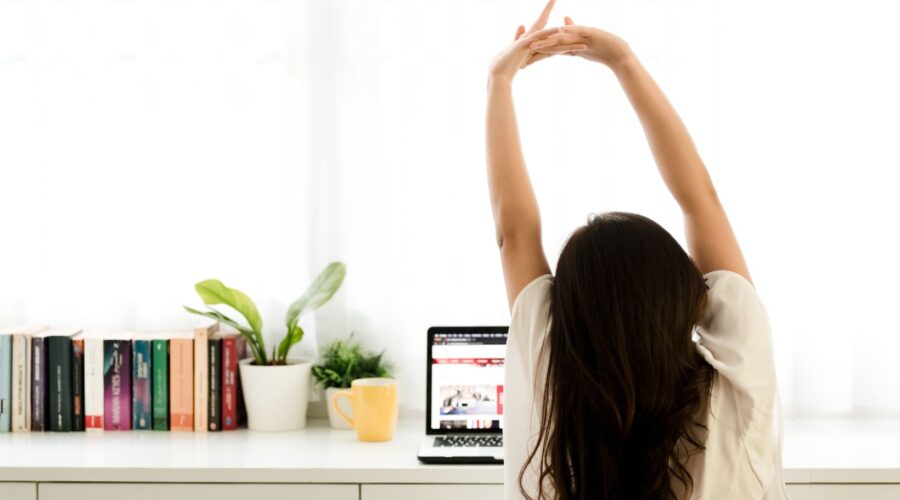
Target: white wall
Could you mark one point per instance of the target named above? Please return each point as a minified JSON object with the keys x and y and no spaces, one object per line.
{"x":147,"y":145}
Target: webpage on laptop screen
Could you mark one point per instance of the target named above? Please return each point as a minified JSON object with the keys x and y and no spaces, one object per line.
{"x":467,"y":381}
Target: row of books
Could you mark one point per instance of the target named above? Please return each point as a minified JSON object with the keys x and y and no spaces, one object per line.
{"x":69,"y":380}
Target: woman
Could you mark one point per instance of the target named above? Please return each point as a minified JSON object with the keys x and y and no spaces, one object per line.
{"x":637,"y":371}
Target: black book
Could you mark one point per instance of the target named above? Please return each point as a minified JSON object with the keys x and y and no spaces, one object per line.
{"x":59,"y":350}
{"x":215,"y":386}
{"x":78,"y":385}
{"x":40,"y":397}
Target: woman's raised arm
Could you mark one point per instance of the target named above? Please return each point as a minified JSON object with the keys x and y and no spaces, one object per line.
{"x":516,"y":214}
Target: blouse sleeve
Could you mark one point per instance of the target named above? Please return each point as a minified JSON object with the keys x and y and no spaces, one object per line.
{"x":735,"y":336}
{"x":528,"y":325}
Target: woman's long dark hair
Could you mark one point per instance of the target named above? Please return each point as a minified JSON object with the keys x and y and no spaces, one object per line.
{"x":621,"y":410}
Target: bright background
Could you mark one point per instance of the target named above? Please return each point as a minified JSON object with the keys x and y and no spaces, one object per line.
{"x":148,"y":144}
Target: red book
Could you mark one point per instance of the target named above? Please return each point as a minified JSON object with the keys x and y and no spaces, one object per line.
{"x":233,"y":348}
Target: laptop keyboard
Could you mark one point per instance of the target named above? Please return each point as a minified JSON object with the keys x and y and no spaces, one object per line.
{"x":469,"y":441}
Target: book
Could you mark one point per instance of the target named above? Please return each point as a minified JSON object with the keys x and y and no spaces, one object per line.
{"x":160,"y":383}
{"x":40,"y":398}
{"x":233,"y":350}
{"x":59,"y":370}
{"x":243,"y":352}
{"x":117,"y":383}
{"x":201,"y":375}
{"x":77,"y":384}
{"x":5,"y":383}
{"x":181,"y":381}
{"x":42,"y":383}
{"x":93,"y":381}
{"x":21,"y":377}
{"x":141,"y":396}
{"x":214,"y":370}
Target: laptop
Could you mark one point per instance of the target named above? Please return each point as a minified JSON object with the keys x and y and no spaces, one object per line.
{"x":464,"y":395}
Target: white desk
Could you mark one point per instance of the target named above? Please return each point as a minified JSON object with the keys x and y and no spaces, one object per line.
{"x":833,"y":459}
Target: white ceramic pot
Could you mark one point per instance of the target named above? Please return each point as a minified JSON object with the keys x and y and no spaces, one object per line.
{"x":275,"y":396}
{"x":336,"y":421}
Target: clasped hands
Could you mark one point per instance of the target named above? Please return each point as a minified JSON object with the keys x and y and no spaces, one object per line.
{"x":537,"y":43}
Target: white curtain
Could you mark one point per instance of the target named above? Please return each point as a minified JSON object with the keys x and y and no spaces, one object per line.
{"x":147,"y":145}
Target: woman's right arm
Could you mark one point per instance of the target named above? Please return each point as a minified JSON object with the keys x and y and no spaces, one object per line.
{"x":711,"y":241}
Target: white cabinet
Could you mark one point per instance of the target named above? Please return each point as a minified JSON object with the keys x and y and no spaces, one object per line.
{"x":144,"y":491}
{"x":18,"y":491}
{"x":844,"y":491}
{"x":430,"y":491}
{"x":178,"y":491}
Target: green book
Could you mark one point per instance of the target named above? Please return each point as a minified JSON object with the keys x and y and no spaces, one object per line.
{"x":160,"y":385}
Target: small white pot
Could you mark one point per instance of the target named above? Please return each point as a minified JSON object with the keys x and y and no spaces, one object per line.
{"x":336,"y":421}
{"x":275,"y":396}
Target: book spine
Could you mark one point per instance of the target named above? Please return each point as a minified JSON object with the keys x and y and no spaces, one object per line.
{"x":39,"y":395}
{"x":93,"y":384}
{"x":181,"y":384}
{"x":160,"y":384}
{"x":21,"y":383}
{"x":59,"y":357}
{"x":117,"y":385}
{"x":78,"y":385}
{"x":5,"y":383}
{"x":241,"y":343}
{"x":141,"y":418}
{"x":229,"y":383}
{"x":215,"y":384}
{"x":201,"y":379}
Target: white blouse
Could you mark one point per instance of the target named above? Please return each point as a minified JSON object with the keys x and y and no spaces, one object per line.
{"x":742,"y":459}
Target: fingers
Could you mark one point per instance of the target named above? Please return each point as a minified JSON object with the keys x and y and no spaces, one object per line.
{"x":519,"y":32}
{"x":557,"y":39}
{"x":560,"y":49}
{"x":530,"y":38}
{"x":542,"y":20}
{"x":575,"y":29}
{"x":568,"y":20}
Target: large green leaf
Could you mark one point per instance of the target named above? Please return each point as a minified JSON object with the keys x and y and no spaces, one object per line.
{"x":253,"y":339}
{"x":215,"y":292}
{"x":216,"y":315}
{"x":319,"y":292}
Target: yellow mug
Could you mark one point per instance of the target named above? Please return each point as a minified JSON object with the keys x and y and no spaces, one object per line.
{"x":374,"y":403}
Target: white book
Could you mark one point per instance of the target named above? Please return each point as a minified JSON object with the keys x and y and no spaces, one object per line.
{"x":93,"y":381}
{"x":21,"y":383}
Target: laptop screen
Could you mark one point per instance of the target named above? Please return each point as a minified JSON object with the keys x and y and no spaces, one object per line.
{"x":465,"y":379}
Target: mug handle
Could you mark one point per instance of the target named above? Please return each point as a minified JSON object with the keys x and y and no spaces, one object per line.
{"x":334,"y":403}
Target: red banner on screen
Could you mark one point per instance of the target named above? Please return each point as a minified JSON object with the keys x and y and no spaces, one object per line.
{"x":468,"y":361}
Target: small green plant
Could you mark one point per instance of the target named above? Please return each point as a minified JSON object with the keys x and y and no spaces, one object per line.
{"x":345,"y":361}
{"x":214,"y":292}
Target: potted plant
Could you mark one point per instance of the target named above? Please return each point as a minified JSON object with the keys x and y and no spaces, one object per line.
{"x":342,"y":362}
{"x":275,"y":387}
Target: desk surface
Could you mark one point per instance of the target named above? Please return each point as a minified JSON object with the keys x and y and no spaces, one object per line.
{"x":816,"y":451}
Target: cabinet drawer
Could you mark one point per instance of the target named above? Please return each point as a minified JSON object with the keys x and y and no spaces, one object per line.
{"x":145,"y":491}
{"x":844,"y":491}
{"x":430,"y":491}
{"x":18,"y":491}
